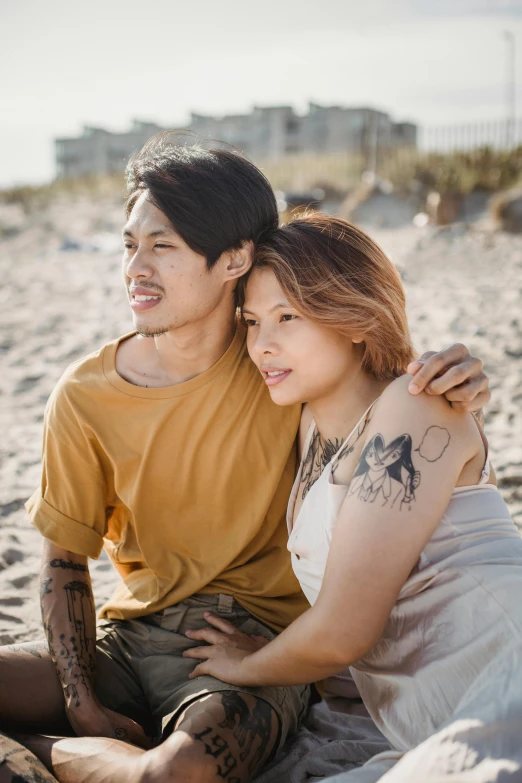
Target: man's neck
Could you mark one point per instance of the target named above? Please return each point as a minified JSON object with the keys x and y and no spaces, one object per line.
{"x":176,"y":356}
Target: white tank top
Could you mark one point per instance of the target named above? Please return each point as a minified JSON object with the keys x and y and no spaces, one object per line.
{"x":458,"y":610}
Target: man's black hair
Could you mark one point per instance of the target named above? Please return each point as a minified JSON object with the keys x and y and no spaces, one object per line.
{"x":214,"y":198}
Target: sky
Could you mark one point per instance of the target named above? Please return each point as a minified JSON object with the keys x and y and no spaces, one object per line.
{"x":105,"y":62}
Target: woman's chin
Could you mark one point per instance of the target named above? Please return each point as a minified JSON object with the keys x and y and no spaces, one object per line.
{"x":285,"y":396}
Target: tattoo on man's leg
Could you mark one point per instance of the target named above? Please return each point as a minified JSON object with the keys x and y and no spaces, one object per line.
{"x":24,"y":767}
{"x":250,"y":728}
{"x":33,"y":648}
{"x":216,"y":746}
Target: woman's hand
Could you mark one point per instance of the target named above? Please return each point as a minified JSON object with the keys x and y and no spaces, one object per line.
{"x":225,"y":651}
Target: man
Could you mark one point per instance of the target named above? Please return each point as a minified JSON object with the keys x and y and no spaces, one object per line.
{"x":169,"y":452}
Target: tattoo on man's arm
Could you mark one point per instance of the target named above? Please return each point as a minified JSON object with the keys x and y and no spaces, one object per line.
{"x":71,"y":635}
{"x":45,"y":588}
{"x":59,"y":563}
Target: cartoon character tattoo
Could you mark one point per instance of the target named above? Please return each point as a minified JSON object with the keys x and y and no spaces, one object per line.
{"x":386,"y":473}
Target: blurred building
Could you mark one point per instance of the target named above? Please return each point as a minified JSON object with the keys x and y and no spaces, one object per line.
{"x":99,"y":151}
{"x":266,"y":133}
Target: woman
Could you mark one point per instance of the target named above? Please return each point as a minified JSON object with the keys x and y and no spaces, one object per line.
{"x":399,"y":537}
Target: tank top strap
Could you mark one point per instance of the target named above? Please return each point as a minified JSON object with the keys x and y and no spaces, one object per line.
{"x":486,"y":470}
{"x":363,"y":419}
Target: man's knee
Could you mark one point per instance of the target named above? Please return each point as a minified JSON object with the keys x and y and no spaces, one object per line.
{"x":223,"y":736}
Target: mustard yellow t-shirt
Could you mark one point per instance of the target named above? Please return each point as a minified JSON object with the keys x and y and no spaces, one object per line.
{"x":185,"y":486}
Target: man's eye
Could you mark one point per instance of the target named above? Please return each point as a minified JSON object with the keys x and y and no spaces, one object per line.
{"x":288,"y":317}
{"x":160,"y":245}
{"x":127,"y":245}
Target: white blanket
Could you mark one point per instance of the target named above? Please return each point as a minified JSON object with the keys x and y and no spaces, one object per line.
{"x":328,"y":742}
{"x":480,"y":743}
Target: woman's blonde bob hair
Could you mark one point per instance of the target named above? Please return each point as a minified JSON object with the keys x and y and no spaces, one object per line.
{"x":334,"y":274}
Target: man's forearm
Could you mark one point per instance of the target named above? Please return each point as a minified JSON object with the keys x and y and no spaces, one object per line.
{"x":69,"y":621}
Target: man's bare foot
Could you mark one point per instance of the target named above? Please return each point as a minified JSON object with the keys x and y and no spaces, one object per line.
{"x":78,"y":759}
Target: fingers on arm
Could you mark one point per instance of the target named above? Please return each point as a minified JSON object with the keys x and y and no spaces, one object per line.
{"x":454,"y":377}
{"x":417,"y":364}
{"x":437,"y":364}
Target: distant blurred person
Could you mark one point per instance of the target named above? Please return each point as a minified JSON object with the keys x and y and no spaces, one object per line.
{"x":165,"y":448}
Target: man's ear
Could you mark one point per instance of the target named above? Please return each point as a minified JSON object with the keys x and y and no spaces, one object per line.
{"x":238,"y":262}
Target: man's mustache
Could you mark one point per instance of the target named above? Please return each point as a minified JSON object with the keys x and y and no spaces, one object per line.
{"x":155,"y":288}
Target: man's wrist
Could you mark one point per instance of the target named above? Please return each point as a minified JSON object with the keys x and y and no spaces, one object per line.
{"x":84,"y":707}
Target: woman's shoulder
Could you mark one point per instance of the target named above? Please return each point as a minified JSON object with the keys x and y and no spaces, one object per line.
{"x":398,"y":409}
{"x":398,"y":398}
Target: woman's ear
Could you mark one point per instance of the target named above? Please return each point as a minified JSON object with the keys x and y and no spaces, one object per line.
{"x":357,"y":339}
{"x":239,"y":261}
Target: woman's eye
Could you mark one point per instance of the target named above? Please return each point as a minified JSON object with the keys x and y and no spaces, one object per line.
{"x":249,"y":321}
{"x":288,"y":317}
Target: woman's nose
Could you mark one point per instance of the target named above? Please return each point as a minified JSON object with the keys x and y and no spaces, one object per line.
{"x":265,"y":343}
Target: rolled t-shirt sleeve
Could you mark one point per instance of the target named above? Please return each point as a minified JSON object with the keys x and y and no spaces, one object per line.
{"x":69,"y":507}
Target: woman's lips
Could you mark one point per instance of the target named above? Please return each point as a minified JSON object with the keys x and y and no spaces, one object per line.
{"x":274,"y":379}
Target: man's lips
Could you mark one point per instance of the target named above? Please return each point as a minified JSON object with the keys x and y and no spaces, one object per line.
{"x":274,"y":375}
{"x":143,"y":299}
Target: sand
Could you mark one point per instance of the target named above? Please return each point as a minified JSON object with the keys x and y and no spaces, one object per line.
{"x":62,"y":297}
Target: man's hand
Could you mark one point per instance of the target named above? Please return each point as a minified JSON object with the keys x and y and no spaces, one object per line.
{"x":224,"y":652}
{"x":455,"y":374}
{"x":94,"y":720}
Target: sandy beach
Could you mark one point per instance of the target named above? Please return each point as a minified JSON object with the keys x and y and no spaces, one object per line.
{"x":62,"y":297}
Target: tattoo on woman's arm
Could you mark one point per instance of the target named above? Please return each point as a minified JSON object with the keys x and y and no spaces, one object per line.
{"x":386,"y":472}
